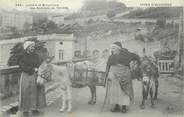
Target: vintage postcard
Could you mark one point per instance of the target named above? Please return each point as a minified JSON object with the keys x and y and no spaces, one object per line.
{"x":91,"y":58}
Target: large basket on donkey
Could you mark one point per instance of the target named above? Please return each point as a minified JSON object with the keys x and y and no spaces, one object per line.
{"x":86,"y":77}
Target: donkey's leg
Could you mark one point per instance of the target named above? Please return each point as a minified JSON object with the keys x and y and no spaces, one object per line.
{"x":144,"y":96}
{"x":147,"y":90}
{"x":152,"y":90}
{"x":151,"y":95}
{"x":156,"y":89}
{"x":63,"y":101}
{"x":69,"y":98}
{"x":94,"y":94}
{"x":91,"y":90}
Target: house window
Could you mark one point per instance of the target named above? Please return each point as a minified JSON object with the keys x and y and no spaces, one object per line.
{"x":61,"y":54}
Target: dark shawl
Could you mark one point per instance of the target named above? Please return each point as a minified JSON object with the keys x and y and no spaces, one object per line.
{"x":28,"y":62}
{"x":124,"y":58}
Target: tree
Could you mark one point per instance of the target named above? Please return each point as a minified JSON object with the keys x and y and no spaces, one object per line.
{"x":11,"y":32}
{"x":158,"y":12}
{"x":117,"y":7}
{"x":40,"y":27}
{"x":52,"y":27}
{"x":27,"y":29}
{"x":111,"y":14}
{"x":45,"y":26}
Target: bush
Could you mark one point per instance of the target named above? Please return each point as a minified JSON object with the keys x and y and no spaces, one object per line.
{"x":15,"y":54}
{"x":161,"y":23}
{"x":17,"y":51}
{"x":170,"y":54}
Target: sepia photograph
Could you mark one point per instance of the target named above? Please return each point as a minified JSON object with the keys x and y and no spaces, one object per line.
{"x":91,"y":58}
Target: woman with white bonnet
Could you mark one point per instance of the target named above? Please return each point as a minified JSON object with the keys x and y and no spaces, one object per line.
{"x":120,"y":91}
{"x":29,"y":63}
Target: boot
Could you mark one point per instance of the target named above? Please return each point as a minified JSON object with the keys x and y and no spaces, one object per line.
{"x":37,"y":112}
{"x":124,"y":109}
{"x":116,"y":108}
{"x":25,"y":114}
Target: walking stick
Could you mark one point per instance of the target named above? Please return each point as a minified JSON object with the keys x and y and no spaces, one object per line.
{"x":105,"y":96}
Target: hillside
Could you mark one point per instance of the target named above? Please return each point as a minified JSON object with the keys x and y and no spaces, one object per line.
{"x":155,"y":13}
{"x":102,"y":34}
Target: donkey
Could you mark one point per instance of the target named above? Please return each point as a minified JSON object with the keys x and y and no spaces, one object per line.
{"x":81,"y":69}
{"x":59,"y":74}
{"x":148,"y":75}
{"x":149,"y":80}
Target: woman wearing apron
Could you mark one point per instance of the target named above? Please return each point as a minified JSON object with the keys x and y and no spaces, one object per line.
{"x":120,"y":90}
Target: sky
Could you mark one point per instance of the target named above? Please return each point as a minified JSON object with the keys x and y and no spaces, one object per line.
{"x":73,"y":5}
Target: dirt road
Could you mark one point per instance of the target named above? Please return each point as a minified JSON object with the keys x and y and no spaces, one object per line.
{"x":169,"y":104}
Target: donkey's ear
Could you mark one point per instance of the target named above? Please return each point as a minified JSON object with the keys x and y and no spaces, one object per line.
{"x":49,"y":59}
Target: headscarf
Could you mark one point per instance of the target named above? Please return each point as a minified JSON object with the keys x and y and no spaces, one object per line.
{"x":27,"y":44}
{"x":117,"y":45}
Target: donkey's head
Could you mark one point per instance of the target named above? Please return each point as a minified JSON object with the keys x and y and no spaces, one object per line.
{"x":149,"y":70}
{"x":135,"y":70}
{"x":45,"y":69}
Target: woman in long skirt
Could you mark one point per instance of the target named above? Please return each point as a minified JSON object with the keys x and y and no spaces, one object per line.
{"x":29,"y":97}
{"x":120,"y":92}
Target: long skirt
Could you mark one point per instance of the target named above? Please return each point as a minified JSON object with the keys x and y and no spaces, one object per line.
{"x":32,"y":96}
{"x":120,"y":93}
{"x":41,"y":97}
{"x":28,"y":93}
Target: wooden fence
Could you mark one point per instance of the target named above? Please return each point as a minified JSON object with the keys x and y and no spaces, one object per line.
{"x":166,"y":66}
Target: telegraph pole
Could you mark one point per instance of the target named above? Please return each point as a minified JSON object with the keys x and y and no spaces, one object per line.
{"x":182,"y":37}
{"x":86,"y":46}
{"x":181,"y":41}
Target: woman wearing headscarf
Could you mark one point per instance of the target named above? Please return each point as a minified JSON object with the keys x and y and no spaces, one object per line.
{"x":29,"y":63}
{"x":120,"y":90}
